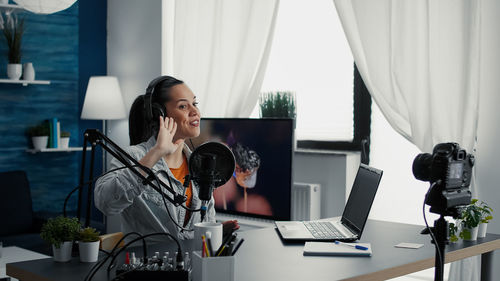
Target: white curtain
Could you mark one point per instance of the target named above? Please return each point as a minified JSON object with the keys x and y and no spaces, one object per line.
{"x":220,"y":48}
{"x":420,"y":61}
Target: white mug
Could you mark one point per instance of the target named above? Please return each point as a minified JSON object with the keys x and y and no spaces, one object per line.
{"x":215,"y":229}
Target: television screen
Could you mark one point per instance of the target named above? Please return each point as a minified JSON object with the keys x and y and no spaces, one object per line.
{"x":262,"y":181}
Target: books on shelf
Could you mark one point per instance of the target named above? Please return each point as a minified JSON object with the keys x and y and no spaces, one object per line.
{"x":58,"y":134}
{"x":54,"y":133}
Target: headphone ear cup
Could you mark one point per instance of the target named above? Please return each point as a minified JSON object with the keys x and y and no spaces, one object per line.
{"x":158,"y":110}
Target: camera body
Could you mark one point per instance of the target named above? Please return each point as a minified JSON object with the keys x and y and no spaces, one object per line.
{"x":449,"y":169}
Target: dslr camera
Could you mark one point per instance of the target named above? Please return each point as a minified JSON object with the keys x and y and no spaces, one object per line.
{"x":449,"y":170}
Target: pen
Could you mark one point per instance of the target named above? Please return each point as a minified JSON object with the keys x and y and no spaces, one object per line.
{"x":359,"y":247}
{"x":207,"y":253}
{"x":237,"y":246}
{"x":225,"y":243}
{"x":208,"y":238}
{"x":221,"y":250}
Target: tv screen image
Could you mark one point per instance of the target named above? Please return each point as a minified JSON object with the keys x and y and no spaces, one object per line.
{"x":263,"y":150}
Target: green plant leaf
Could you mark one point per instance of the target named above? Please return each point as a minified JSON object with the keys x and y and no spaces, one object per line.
{"x":277,"y":104}
{"x":59,"y":229}
{"x":88,"y":234}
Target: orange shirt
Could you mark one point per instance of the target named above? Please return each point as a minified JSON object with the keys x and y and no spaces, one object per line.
{"x":179,"y":174}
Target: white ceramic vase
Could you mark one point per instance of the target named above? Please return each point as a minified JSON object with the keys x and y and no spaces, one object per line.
{"x":89,"y":251}
{"x":63,"y":253}
{"x":40,"y":142}
{"x":481,"y":233}
{"x":64,"y":143}
{"x":473,"y":233}
{"x":14,"y":71}
{"x":28,"y":72}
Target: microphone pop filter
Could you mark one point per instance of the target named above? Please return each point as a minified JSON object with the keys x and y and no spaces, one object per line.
{"x":212,"y":156}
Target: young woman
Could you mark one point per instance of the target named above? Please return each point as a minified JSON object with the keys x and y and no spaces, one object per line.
{"x":160,"y":121}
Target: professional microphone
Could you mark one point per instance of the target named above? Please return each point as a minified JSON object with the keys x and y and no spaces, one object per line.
{"x":210,"y":166}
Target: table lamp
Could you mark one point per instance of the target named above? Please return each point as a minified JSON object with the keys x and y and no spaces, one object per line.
{"x":103,"y":101}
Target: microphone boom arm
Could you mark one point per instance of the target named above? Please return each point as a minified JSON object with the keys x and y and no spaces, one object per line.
{"x":95,"y":138}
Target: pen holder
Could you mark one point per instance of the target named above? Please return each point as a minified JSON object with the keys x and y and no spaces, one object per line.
{"x":212,"y":268}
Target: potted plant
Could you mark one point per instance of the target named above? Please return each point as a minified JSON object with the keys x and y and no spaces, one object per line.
{"x":13,"y":32}
{"x":88,"y":244}
{"x":485,"y":219}
{"x":453,"y":232}
{"x":60,"y":233}
{"x":39,"y":135}
{"x":471,"y":217}
{"x":65,"y":139}
{"x":277,"y":104}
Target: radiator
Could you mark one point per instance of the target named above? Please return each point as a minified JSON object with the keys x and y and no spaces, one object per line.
{"x":306,"y":201}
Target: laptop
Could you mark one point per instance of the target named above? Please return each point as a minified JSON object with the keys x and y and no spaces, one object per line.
{"x":346,"y":228}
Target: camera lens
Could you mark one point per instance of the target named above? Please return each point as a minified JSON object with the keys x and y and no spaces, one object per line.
{"x":422,"y":166}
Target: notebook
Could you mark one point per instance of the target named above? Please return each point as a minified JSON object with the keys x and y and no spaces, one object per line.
{"x":332,"y":249}
{"x":350,"y":226}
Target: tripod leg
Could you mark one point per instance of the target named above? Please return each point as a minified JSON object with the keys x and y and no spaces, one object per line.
{"x":441,"y":237}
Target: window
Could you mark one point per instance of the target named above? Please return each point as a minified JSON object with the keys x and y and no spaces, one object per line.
{"x":311,"y":57}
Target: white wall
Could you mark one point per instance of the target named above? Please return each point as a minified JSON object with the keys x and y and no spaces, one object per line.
{"x":333,"y":171}
{"x":134,"y":52}
{"x":134,"y":56}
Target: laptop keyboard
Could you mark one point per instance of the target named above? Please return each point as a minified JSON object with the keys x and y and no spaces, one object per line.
{"x":323,"y":230}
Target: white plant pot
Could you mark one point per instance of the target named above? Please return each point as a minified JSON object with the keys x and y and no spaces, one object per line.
{"x":63,"y":254}
{"x":482,"y":230}
{"x":89,"y":251}
{"x":40,"y":142}
{"x":14,"y":71}
{"x":473,"y":233}
{"x":64,"y":143}
{"x":28,"y":72}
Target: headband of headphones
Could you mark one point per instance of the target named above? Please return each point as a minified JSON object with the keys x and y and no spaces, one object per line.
{"x":148,"y":99}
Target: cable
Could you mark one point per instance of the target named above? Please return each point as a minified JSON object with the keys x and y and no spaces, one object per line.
{"x":192,"y":145}
{"x":165,"y":203}
{"x":98,"y":265}
{"x":429,"y":229}
{"x":179,"y":249}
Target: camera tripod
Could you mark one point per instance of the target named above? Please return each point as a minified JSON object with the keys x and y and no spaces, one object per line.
{"x":440,"y":239}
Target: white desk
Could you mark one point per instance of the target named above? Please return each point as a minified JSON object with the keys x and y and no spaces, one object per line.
{"x":16,"y":254}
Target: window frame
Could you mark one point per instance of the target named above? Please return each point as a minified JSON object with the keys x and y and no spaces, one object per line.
{"x":362,"y":121}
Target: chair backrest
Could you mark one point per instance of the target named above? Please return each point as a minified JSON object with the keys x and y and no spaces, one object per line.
{"x":108,"y":241}
{"x":16,"y":211}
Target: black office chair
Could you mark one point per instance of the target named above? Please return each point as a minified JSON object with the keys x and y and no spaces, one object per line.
{"x":18,"y":224}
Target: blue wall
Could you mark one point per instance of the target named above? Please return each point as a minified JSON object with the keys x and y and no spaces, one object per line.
{"x":59,"y":45}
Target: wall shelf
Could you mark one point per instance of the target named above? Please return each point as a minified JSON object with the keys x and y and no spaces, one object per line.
{"x":25,"y":82}
{"x":69,"y":149}
{"x":10,"y":6}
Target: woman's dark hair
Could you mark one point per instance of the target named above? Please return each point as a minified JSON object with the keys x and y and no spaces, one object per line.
{"x":142,"y":127}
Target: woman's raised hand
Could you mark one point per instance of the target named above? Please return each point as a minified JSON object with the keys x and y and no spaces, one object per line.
{"x":166,"y":133}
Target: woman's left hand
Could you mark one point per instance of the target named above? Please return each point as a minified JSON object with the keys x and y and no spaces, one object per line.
{"x":229,"y":227}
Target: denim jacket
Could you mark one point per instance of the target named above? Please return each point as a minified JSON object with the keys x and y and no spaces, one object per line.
{"x":140,"y":207}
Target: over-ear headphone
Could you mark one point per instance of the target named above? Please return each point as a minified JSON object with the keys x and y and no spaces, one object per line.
{"x":153,"y":109}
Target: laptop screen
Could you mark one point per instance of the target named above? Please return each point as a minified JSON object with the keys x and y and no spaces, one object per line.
{"x":361,"y":198}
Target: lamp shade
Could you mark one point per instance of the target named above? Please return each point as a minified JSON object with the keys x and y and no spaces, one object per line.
{"x":45,"y":6}
{"x":103,"y":99}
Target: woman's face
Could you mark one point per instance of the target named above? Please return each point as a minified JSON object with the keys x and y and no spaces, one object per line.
{"x":183,"y":108}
